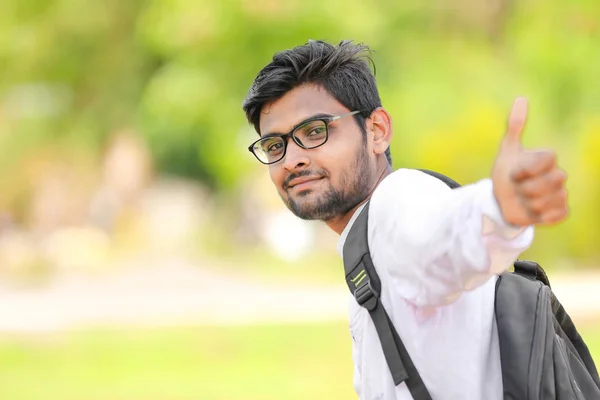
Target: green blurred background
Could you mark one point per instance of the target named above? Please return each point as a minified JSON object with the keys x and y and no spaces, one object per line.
{"x":143,"y":252}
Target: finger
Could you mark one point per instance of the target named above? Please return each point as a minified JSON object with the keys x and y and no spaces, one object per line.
{"x":554,"y":216}
{"x":516,"y":120}
{"x":540,"y":206}
{"x":533,"y":164}
{"x":541,"y":185}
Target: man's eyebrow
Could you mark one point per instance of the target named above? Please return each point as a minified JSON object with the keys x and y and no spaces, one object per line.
{"x":304,"y":121}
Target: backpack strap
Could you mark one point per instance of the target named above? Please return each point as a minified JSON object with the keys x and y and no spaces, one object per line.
{"x":531,"y":270}
{"x":447,"y":180}
{"x":364,"y":283}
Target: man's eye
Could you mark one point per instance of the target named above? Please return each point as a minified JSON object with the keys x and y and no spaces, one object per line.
{"x":316,"y":131}
{"x":274,"y":147}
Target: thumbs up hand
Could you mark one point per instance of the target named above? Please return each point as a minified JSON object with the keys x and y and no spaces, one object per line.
{"x":528,"y":185}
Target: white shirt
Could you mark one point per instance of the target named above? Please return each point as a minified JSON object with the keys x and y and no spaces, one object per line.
{"x":438,"y":252}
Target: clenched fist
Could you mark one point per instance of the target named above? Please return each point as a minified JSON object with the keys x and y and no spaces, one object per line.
{"x":528,"y":185}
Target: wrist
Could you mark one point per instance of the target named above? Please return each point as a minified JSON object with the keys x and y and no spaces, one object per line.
{"x":494,"y":209}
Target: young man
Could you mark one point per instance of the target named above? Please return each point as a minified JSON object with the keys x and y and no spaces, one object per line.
{"x":325,"y":137}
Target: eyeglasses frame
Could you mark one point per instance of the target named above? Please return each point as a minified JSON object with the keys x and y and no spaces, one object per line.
{"x":290,"y":134}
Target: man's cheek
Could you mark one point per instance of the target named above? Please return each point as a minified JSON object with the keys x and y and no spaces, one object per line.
{"x":275,"y":178}
{"x":284,"y":194}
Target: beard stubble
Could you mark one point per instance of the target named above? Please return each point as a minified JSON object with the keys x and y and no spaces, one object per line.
{"x":335,"y":202}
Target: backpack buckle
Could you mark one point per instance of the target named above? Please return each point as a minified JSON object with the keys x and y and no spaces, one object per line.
{"x":365,"y":296}
{"x":364,"y":289}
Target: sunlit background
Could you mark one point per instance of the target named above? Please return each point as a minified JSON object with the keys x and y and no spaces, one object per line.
{"x":143,"y":251}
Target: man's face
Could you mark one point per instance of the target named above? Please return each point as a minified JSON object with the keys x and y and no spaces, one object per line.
{"x":328,"y":181}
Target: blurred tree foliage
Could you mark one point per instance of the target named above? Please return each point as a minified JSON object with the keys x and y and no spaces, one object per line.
{"x":72,"y":72}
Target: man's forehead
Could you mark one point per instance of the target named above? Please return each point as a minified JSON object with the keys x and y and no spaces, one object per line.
{"x":295,"y":106}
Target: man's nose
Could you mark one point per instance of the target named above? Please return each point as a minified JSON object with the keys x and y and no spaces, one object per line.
{"x":295,"y":157}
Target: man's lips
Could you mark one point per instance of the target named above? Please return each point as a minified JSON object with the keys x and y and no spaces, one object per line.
{"x":303,"y":182}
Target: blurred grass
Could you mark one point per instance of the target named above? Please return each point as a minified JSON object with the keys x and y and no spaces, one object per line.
{"x":212,"y":363}
{"x":209,"y":363}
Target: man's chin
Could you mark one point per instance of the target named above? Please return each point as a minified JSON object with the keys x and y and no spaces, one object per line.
{"x":304,"y":194}
{"x":310,"y":209}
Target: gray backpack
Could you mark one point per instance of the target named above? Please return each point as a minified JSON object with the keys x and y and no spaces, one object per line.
{"x":543,"y":356}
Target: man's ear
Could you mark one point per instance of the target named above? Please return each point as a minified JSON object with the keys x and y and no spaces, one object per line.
{"x":379,"y":128}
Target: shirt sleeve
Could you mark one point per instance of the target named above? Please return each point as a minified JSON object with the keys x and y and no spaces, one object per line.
{"x":356,"y":377}
{"x":438,"y":242}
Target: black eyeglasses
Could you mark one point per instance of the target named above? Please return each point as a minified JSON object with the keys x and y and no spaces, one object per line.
{"x":309,"y":135}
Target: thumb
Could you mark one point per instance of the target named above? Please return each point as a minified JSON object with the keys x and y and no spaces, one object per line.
{"x":516,"y":122}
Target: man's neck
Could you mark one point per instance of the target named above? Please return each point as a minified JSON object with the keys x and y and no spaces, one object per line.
{"x":339,"y":224}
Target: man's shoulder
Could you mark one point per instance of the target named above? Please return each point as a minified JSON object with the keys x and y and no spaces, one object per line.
{"x":403,"y":191}
{"x":407,"y":183}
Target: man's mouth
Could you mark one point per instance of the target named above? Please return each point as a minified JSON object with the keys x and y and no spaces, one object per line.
{"x":304,"y":182}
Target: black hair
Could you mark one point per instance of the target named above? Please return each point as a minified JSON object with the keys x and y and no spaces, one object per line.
{"x":343,"y":70}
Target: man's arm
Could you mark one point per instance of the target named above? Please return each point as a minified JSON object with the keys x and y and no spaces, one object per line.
{"x":439,"y":242}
